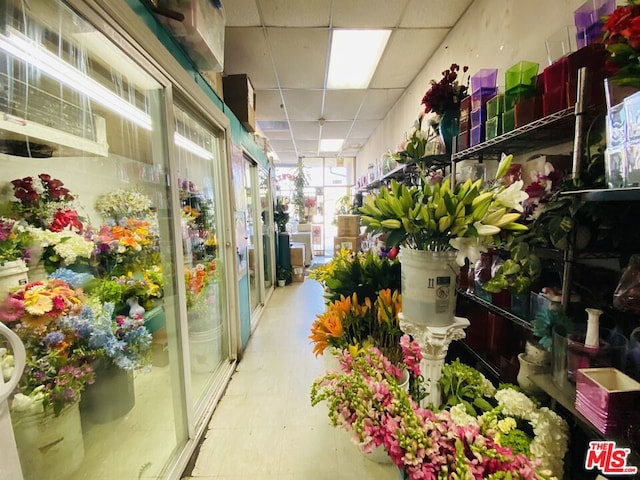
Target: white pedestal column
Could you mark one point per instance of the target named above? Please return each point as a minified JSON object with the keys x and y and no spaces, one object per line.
{"x":434,"y":343}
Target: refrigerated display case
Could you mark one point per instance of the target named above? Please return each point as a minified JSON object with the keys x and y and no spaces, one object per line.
{"x":128,"y":295}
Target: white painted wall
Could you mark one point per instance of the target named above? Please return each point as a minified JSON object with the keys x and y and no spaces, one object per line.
{"x":492,"y":34}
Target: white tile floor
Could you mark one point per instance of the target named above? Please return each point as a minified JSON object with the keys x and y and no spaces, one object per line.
{"x":265,"y":427}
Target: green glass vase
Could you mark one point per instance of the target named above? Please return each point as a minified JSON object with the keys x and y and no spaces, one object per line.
{"x":449,"y":127}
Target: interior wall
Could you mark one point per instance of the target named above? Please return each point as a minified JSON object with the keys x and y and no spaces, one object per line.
{"x":491,"y":34}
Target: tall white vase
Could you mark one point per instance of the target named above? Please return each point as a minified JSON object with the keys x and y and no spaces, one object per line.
{"x":428,"y":281}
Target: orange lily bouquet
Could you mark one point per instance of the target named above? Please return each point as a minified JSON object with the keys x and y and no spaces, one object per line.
{"x":349,"y":323}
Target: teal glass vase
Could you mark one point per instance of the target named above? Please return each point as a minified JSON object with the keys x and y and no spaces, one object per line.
{"x":449,"y":127}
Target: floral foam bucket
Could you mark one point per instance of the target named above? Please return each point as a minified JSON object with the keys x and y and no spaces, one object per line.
{"x":428,"y":281}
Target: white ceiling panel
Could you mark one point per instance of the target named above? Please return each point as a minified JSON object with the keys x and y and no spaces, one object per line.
{"x":245,"y":51}
{"x":303,"y":104}
{"x":287,"y":157}
{"x":299,"y":55}
{"x":336,"y":129}
{"x":433,"y":13}
{"x":269,"y":105}
{"x":378,"y":103}
{"x":282,"y":145}
{"x":241,"y":13}
{"x":282,"y":45}
{"x":287,"y":13}
{"x":342,"y":104}
{"x":305,"y":130}
{"x":397,"y":69}
{"x":306,"y":146}
{"x":363,"y":128}
{"x":367,"y":13}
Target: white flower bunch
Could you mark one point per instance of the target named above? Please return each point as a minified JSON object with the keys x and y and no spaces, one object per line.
{"x":122,"y":203}
{"x":67,"y":244}
{"x":551,"y":431}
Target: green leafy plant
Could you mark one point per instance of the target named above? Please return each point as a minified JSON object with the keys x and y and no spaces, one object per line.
{"x":364,"y":274}
{"x":284,"y":273}
{"x":462,"y":384}
{"x":546,"y":322}
{"x":436,"y":216}
{"x":299,"y":182}
{"x":517,"y":273}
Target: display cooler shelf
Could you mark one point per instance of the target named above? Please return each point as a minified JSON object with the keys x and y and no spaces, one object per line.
{"x":430,"y":162}
{"x":497,"y":310}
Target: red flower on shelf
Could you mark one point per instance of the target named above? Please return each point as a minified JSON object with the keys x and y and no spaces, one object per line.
{"x":45,"y":203}
{"x":446,"y":93}
{"x":621,"y":38}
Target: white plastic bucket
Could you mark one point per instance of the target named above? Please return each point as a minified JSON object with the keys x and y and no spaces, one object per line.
{"x":205,"y":349}
{"x":51,"y":448}
{"x":428,"y":281}
{"x":13,"y":274}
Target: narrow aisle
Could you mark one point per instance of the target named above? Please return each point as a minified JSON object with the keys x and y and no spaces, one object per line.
{"x":265,"y":428}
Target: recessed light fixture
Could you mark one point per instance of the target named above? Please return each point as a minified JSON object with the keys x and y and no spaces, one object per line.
{"x":354,"y":57}
{"x":331,"y":144}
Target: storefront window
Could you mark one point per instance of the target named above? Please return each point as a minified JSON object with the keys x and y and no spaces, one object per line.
{"x":84,"y":187}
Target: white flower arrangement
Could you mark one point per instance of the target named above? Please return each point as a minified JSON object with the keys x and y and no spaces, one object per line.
{"x":68,"y":245}
{"x":121,"y":203}
{"x":550,"y":440}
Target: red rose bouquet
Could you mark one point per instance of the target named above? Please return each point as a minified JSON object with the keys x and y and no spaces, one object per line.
{"x":45,"y":203}
{"x":621,"y":37}
{"x":446,"y":93}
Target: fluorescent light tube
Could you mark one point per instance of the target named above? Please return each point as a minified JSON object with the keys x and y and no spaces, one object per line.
{"x":331,"y":144}
{"x":354,"y":57}
{"x":192,"y":147}
{"x":35,"y":54}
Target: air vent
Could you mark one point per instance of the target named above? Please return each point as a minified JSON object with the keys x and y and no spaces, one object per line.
{"x":273,"y":126}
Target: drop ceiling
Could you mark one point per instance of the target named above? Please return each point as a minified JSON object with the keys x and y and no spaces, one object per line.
{"x":283,"y":45}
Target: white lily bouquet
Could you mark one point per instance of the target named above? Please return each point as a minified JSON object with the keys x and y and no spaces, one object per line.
{"x":434,"y":216}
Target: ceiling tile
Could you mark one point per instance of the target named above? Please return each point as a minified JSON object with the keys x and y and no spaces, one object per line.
{"x":342,"y":104}
{"x":241,"y":13}
{"x":367,"y":13}
{"x":287,"y":157}
{"x":294,"y":13}
{"x":269,"y":105}
{"x":397,"y":69}
{"x":363,"y":128}
{"x":354,"y":143}
{"x":303,"y":104}
{"x":434,"y":13}
{"x":306,"y":146}
{"x":299,"y":55}
{"x":336,"y":129}
{"x":378,"y":103}
{"x":245,"y":51}
{"x":306,"y":130}
{"x":277,"y":135}
{"x":282,"y":145}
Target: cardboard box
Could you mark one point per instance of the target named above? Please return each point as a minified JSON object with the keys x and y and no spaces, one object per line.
{"x":348,"y":225}
{"x":240,"y":96}
{"x":297,"y":255}
{"x":350,"y":243}
{"x":298,"y":273}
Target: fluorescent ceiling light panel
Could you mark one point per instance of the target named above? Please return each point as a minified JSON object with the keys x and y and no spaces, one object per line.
{"x":184,"y":142}
{"x":35,"y":54}
{"x":331,"y":144}
{"x":354,"y":57}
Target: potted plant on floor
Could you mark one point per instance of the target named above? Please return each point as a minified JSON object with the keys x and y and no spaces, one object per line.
{"x":437,"y":225}
{"x":283,"y":275}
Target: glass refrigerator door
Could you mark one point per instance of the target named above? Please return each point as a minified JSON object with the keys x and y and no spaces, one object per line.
{"x":83,"y":166}
{"x":199,"y":158}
